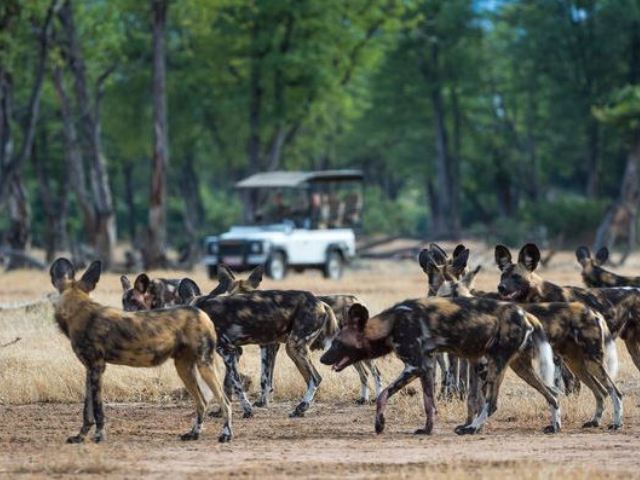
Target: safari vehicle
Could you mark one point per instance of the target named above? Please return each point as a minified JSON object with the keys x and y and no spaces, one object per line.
{"x":292,"y":220}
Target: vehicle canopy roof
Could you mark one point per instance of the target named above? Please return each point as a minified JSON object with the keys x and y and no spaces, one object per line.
{"x":298,"y":179}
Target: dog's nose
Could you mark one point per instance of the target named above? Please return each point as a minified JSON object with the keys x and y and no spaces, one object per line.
{"x":501,"y":289}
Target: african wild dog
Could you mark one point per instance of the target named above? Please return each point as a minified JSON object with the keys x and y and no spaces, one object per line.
{"x":434,"y":261}
{"x":595,"y":276}
{"x":147,"y":294}
{"x":498,"y":333}
{"x":578,"y":335}
{"x":101,"y":335}
{"x":228,"y":283}
{"x":295,"y":318}
{"x":619,"y":306}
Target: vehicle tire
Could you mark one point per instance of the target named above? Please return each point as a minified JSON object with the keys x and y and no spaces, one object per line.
{"x":277,"y":266}
{"x":212,"y":271}
{"x":334,"y":265}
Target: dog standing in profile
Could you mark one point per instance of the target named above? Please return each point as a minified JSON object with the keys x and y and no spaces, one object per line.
{"x":492,"y":335}
{"x":229,"y":284}
{"x":100,"y":335}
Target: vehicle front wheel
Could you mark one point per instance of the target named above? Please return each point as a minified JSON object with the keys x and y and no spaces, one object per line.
{"x":334,"y":265}
{"x":277,"y":266}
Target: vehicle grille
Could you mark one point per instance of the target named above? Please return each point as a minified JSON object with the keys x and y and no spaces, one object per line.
{"x":232,"y":249}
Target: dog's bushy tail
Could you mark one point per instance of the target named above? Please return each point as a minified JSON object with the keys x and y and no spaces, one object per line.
{"x":543,"y":350}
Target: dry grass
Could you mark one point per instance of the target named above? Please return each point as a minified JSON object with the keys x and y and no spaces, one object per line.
{"x":42,"y":368}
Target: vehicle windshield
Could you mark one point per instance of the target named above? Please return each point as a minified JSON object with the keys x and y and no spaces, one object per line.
{"x":320,"y":206}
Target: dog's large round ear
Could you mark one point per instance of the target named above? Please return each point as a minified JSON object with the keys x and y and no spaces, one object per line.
{"x":142,"y":282}
{"x":459,"y":263}
{"x":529,"y":256}
{"x":458,"y":250}
{"x":62,"y":273}
{"x":502,"y":256}
{"x":255,"y":278}
{"x":424,"y":259}
{"x":358,"y":315}
{"x":602,"y":256}
{"x":583,"y":255}
{"x":90,"y":277}
{"x":125,"y":282}
{"x":438,"y":253}
{"x":188,"y":290}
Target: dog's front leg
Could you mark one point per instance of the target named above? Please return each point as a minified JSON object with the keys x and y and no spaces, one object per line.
{"x":88,"y":420}
{"x":408,"y":374}
{"x":427,"y":399}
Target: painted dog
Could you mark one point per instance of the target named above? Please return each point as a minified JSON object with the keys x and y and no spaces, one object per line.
{"x":595,"y":276}
{"x":147,"y":294}
{"x":500,"y":334}
{"x":435,"y":264}
{"x":619,"y":306}
{"x":295,"y":318}
{"x":578,"y":335}
{"x":228,"y":283}
{"x":101,"y":335}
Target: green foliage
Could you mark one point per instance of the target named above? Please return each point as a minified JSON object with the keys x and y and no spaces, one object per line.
{"x":534,"y":96}
{"x":403,"y":216}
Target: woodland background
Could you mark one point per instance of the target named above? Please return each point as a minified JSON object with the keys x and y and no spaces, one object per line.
{"x":130,"y":120}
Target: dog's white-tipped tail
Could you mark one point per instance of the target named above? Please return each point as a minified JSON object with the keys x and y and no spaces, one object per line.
{"x":547,"y":366}
{"x":611,"y":357}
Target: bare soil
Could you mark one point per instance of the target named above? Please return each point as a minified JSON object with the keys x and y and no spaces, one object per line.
{"x":334,"y":440}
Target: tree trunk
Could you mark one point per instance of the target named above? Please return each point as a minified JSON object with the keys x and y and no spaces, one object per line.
{"x":54,"y":204}
{"x":154,"y":254}
{"x":74,"y":161}
{"x":105,"y":225}
{"x":255,"y":105}
{"x":127,"y":171}
{"x":19,"y":234}
{"x":12,"y":165}
{"x":621,"y":219}
{"x":193,"y":212}
{"x":593,"y":157}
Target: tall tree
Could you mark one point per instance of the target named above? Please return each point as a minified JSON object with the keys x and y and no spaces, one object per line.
{"x":12,"y":186}
{"x":88,"y":108}
{"x":154,"y":252}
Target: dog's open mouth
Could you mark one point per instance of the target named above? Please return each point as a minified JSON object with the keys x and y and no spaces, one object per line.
{"x":511,"y":296}
{"x":341,"y":365}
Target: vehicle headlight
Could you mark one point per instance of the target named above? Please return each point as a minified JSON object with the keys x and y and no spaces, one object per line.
{"x":256,"y":247}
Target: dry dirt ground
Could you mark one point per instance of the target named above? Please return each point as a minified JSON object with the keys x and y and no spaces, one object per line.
{"x":41,"y":385}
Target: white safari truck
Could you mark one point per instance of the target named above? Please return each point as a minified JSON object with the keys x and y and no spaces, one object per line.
{"x":294,"y":220}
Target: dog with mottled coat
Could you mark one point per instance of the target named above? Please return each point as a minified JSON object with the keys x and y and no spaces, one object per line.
{"x":101,"y":335}
{"x":491,"y":335}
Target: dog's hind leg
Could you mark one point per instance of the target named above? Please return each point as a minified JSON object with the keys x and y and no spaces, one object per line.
{"x":576,"y":364}
{"x":210,"y":376}
{"x":523,"y":366}
{"x":186,"y":368}
{"x":408,"y":374}
{"x":268,"y":355}
{"x":428,"y":402}
{"x":601,"y":375}
{"x":88,"y":419}
{"x":229,"y":354}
